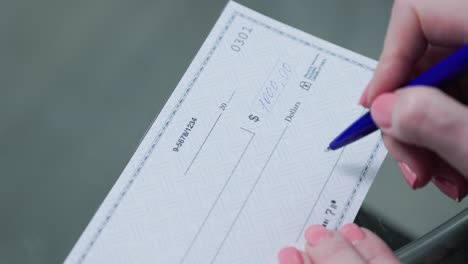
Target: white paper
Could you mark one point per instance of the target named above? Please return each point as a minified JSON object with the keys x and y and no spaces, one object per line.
{"x":234,"y":168}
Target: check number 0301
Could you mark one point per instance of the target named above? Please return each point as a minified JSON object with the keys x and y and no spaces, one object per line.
{"x":241,"y":38}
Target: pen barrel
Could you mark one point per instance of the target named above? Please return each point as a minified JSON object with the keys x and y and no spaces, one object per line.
{"x":447,"y":69}
{"x":360,"y":128}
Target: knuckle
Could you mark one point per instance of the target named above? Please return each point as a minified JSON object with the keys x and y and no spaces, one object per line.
{"x":424,"y":114}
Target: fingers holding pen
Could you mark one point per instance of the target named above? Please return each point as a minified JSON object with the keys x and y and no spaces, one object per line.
{"x":418,"y":32}
{"x":423,"y":129}
{"x":427,"y":118}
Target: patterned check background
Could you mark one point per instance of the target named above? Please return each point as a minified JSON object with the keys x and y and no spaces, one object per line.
{"x":238,"y":190}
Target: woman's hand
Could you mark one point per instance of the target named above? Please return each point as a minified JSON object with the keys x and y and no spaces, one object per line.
{"x":425,"y":130}
{"x":350,"y":245}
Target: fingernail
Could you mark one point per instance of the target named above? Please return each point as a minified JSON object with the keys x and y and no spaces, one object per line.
{"x":381,"y":110}
{"x":316,"y":233}
{"x":409,"y":175}
{"x":363,"y":99}
{"x":449,"y":188}
{"x":290,"y":255}
{"x":352,"y":233}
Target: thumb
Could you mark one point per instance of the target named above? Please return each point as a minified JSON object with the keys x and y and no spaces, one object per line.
{"x":426,"y":117}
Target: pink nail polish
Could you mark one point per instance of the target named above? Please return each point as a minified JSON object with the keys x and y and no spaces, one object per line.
{"x":352,"y":233}
{"x":409,"y":175}
{"x":315,"y":234}
{"x":449,"y":188}
{"x":381,"y":110}
{"x":290,"y":255}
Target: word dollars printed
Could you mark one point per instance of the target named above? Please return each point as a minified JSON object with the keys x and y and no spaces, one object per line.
{"x":234,"y":167}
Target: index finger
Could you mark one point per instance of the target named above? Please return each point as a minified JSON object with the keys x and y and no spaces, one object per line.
{"x":404,"y":44}
{"x":413,"y":25}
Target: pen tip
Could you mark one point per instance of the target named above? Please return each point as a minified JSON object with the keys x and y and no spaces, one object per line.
{"x":327,"y":149}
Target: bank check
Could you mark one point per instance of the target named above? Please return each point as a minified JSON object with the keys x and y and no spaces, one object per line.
{"x":233,"y":168}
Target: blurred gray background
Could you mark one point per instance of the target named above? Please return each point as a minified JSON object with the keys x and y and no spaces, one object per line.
{"x":81,"y":81}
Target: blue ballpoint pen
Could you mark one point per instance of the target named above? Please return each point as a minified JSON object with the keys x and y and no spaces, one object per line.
{"x":447,"y":69}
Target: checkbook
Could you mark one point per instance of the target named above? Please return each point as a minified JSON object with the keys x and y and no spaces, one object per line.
{"x":233,"y":168}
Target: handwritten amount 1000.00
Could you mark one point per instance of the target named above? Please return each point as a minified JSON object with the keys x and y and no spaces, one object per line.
{"x":278,"y":80}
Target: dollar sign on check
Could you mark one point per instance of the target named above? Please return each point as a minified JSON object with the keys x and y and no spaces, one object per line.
{"x":254,"y":118}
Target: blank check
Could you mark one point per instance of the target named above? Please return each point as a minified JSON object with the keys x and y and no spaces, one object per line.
{"x":234,"y":168}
